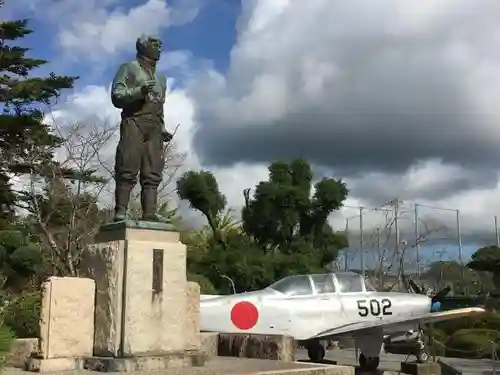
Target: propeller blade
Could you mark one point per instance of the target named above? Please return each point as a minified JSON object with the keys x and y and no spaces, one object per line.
{"x":415,"y":287}
{"x":441,"y":294}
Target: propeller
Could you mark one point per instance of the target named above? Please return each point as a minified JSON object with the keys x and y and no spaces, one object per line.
{"x":415,"y":287}
{"x":437,"y":298}
{"x":441,"y":294}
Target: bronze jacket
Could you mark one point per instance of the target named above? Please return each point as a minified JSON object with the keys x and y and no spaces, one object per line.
{"x":126,"y":92}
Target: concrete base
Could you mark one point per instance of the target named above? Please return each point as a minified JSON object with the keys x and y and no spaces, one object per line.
{"x":277,"y":347}
{"x":20,"y":352}
{"x":146,"y":363}
{"x":210,"y":343}
{"x":53,"y":364}
{"x":415,"y":368}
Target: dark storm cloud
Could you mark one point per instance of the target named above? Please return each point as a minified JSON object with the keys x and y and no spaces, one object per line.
{"x":376,"y":96}
{"x":351,"y":151}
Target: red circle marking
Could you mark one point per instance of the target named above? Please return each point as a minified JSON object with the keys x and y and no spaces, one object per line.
{"x":244,"y":315}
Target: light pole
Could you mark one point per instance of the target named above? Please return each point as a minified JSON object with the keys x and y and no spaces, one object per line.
{"x":348,"y":244}
{"x":362,"y":251}
{"x":417,"y":240}
{"x":496,"y":231}
{"x":361,"y":239}
{"x":230,"y":281}
{"x":459,"y":239}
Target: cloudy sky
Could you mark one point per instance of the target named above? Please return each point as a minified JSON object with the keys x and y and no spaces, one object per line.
{"x":397,"y":97}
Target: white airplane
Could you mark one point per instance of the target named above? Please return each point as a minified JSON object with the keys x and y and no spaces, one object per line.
{"x":315,"y":308}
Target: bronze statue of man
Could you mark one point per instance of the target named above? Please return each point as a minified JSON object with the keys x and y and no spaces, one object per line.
{"x":139,"y":91}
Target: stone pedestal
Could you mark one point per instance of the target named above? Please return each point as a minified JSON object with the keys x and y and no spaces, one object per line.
{"x":140,"y":273}
{"x":141,"y":304}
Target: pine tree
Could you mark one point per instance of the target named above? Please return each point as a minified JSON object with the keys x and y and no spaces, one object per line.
{"x":26,"y":143}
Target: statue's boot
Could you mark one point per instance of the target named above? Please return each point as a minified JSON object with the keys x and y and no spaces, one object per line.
{"x":122,"y":198}
{"x":149,"y":198}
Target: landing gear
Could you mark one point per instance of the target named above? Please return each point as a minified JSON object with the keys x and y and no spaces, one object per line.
{"x":316,"y":351}
{"x":422,"y":354}
{"x":368,"y":363}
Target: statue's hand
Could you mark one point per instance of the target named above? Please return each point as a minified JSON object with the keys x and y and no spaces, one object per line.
{"x":147,"y":87}
{"x":166,"y":136}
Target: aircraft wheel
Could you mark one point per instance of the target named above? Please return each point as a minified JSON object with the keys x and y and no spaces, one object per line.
{"x":316,"y":351}
{"x":368,"y":363}
{"x":422,"y":356}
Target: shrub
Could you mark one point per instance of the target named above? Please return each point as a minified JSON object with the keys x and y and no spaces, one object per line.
{"x":22,"y":315}
{"x":6,"y":338}
{"x":472,"y":343}
{"x":435,"y":340}
{"x":486,"y":320}
{"x":206,"y":287}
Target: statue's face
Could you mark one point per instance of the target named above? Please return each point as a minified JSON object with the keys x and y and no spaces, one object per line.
{"x":150,"y":48}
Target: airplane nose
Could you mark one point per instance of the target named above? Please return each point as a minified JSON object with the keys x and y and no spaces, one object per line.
{"x":436,"y":306}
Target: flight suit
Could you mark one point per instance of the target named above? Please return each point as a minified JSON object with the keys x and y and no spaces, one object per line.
{"x":140,"y":149}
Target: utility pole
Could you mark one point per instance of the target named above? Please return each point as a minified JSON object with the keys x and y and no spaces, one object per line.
{"x":496,"y":231}
{"x":362,"y":255}
{"x":417,"y":240}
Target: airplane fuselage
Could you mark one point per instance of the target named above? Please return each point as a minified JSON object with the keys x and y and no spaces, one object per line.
{"x":311,"y":308}
{"x":305,"y":316}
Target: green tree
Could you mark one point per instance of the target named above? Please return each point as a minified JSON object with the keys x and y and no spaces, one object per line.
{"x":21,"y":262}
{"x":22,"y":131}
{"x":486,"y":259}
{"x":283,"y":230}
{"x":283,"y":215}
{"x":451,"y":273}
{"x":202,"y":191}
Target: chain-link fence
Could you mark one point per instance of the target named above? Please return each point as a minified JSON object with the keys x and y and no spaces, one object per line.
{"x":411,"y":238}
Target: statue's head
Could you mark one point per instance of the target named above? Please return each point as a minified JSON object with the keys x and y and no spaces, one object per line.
{"x":149,"y":47}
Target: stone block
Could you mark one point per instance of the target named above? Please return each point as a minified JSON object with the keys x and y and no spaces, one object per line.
{"x":67,"y":317}
{"x":415,"y":368}
{"x":54,"y":364}
{"x":170,"y":360}
{"x":140,"y":274}
{"x":20,"y":352}
{"x":210,"y":343}
{"x":447,"y":369}
{"x":277,"y":347}
{"x":192,"y":317}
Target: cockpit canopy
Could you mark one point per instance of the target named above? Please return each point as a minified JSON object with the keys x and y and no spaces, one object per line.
{"x":303,"y":285}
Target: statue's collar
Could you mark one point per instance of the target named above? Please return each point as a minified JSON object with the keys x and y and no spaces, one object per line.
{"x":148,"y":65}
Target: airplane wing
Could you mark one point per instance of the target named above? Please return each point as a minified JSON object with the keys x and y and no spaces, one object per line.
{"x":405,"y":320}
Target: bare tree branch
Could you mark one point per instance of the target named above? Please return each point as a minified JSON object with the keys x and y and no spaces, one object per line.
{"x":64,"y":199}
{"x":389,"y":260}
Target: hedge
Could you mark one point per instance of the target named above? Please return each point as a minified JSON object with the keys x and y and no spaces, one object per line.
{"x":6,"y":338}
{"x":22,"y":315}
{"x":472,"y":343}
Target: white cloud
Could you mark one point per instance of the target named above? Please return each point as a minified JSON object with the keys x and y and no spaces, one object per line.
{"x":98,"y":30}
{"x":477,"y":206}
{"x":313,"y":58}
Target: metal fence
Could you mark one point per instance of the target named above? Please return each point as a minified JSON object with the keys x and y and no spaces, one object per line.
{"x":412,"y":233}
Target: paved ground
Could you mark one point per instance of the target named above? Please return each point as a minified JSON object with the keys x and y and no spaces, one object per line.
{"x":388,"y":362}
{"x":392,"y":362}
{"x":219,"y":365}
{"x":473,"y":366}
